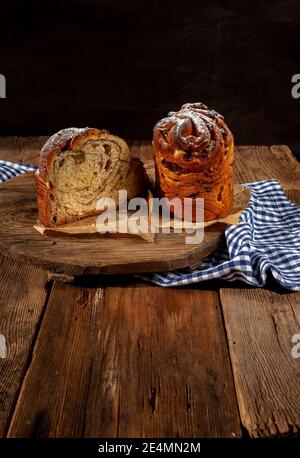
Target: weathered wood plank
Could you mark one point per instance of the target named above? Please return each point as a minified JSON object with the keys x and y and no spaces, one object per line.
{"x":252,"y":163}
{"x":22,"y":300}
{"x":92,"y":253}
{"x":55,"y":391}
{"x":167,"y":364}
{"x":30,"y":149}
{"x":260,"y":325}
{"x":9,"y":148}
{"x":129,"y":362}
{"x":255,"y":163}
{"x":21,"y":149}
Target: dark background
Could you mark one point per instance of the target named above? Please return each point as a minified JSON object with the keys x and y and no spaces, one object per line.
{"x":122,"y":65}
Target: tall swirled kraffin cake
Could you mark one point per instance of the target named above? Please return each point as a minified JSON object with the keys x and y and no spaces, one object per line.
{"x":193,"y":150}
{"x":77,"y":167}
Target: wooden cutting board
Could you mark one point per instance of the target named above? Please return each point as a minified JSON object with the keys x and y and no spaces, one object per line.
{"x":90,"y":254}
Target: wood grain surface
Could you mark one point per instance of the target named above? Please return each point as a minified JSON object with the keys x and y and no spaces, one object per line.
{"x":256,"y":163}
{"x":133,"y":361}
{"x":23,"y":295}
{"x":21,"y":149}
{"x":93,"y":254}
{"x":260,"y":325}
{"x":141,"y":360}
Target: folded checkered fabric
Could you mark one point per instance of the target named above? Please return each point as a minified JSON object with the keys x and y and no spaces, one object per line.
{"x":10,"y":170}
{"x":265,"y":240}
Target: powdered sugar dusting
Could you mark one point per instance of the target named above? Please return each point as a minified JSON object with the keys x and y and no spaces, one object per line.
{"x":194,"y":128}
{"x":62,"y":137}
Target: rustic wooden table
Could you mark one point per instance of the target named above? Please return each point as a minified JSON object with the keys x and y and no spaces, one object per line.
{"x":114,"y":357}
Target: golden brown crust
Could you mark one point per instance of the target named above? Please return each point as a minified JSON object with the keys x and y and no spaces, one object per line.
{"x":43,"y":196}
{"x":193,"y":157}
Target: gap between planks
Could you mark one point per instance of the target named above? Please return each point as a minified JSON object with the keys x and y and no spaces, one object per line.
{"x":265,"y":373}
{"x":135,"y":361}
{"x":252,"y":163}
{"x":260,"y":323}
{"x":23,"y":299}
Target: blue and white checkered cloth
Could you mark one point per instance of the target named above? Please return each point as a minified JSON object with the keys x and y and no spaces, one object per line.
{"x":10,"y":170}
{"x":265,"y":240}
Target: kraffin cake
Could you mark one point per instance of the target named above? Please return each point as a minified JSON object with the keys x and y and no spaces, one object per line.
{"x":77,"y":167}
{"x":193,"y":151}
